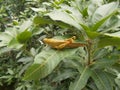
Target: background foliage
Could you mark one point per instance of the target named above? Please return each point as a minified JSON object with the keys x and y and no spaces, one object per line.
{"x":26,"y":63}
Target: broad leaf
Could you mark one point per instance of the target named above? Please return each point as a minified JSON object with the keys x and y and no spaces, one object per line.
{"x":109,"y":39}
{"x":38,"y":9}
{"x":42,"y":20}
{"x":5,"y":39}
{"x":106,"y":61}
{"x":117,"y":80}
{"x":101,"y":53}
{"x":25,"y":25}
{"x":116,"y":34}
{"x":104,"y":10}
{"x":102,"y":80}
{"x":15,"y":44}
{"x":45,"y":20}
{"x":4,"y":50}
{"x":101,"y":22}
{"x":64,"y":16}
{"x":46,"y":61}
{"x":65,"y":75}
{"x":92,"y":34}
{"x":7,"y":36}
{"x":24,"y":36}
{"x":94,"y":4}
{"x":105,"y":39}
{"x":80,"y":83}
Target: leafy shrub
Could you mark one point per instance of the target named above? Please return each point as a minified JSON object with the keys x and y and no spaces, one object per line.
{"x":93,"y":67}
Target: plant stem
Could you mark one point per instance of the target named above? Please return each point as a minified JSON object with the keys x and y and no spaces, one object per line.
{"x":89,"y":51}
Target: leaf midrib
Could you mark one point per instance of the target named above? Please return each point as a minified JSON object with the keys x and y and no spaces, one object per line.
{"x":41,"y":65}
{"x":100,"y":81}
{"x":80,"y":77}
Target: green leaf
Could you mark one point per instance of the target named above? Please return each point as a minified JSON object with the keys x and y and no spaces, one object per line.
{"x":14,"y":44}
{"x":99,"y":23}
{"x":42,"y":20}
{"x":25,"y":25}
{"x":8,"y":38}
{"x":117,"y":80}
{"x":65,"y":17}
{"x":100,"y":17}
{"x":46,"y":61}
{"x":104,"y":11}
{"x":94,"y":4}
{"x":106,"y":61}
{"x":5,"y":38}
{"x":45,"y":20}
{"x":86,"y":28}
{"x":80,"y":83}
{"x":101,"y":53}
{"x":85,"y":12}
{"x":109,"y":39}
{"x":102,"y":80}
{"x":24,"y":36}
{"x":64,"y":75}
{"x":116,"y":34}
{"x":92,"y":34}
{"x":4,"y":50}
{"x":105,"y":39}
{"x":38,"y":9}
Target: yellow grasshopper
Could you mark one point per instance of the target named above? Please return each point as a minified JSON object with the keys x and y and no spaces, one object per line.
{"x":60,"y":44}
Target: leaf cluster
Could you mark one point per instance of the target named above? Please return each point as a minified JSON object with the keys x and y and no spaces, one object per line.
{"x":93,"y":67}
